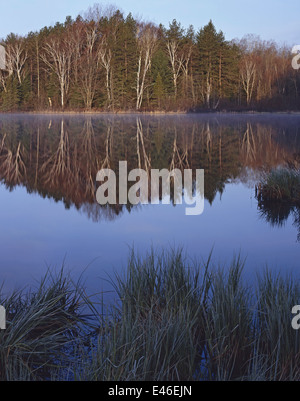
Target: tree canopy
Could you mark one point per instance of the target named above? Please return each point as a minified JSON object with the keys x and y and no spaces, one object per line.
{"x":106,"y":61}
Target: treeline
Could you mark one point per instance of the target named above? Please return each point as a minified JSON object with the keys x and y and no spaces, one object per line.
{"x":106,"y":61}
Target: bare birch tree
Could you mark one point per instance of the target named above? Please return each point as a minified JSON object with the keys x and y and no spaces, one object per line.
{"x":89,"y":65}
{"x":58,"y":57}
{"x":186,"y":63}
{"x":16,"y":57}
{"x":248,"y":76}
{"x":147,"y":37}
{"x":177,"y":61}
{"x":105,"y":56}
{"x":248,"y":65}
{"x":106,"y":37}
{"x":3,"y":77}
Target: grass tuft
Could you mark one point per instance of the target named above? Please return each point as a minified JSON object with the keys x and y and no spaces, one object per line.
{"x":175,"y":321}
{"x":281,"y":184}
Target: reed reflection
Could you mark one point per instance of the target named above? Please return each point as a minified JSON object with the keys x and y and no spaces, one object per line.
{"x":277,"y":213}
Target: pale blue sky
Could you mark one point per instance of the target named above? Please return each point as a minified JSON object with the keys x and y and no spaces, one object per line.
{"x":270,"y":19}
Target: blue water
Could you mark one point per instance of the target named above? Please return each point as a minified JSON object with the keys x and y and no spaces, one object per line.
{"x":38,"y":233}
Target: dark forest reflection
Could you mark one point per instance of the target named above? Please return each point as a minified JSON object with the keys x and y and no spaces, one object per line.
{"x":58,"y":157}
{"x":277,"y":213}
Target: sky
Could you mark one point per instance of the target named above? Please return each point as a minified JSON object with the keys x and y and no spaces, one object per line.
{"x":277,"y":20}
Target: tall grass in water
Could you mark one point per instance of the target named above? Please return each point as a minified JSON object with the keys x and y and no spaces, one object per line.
{"x":281,"y":184}
{"x":175,"y":320}
{"x":41,"y":325}
{"x":277,"y":345}
{"x":228,"y":325}
{"x":179,"y":321}
{"x":157,"y":333}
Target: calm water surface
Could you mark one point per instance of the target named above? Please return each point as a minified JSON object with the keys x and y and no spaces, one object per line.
{"x":49,"y":214}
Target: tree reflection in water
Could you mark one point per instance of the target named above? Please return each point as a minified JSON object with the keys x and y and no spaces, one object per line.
{"x":58,"y":157}
{"x":277,"y":213}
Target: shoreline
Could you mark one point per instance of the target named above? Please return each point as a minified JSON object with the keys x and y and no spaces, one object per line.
{"x":151,"y":113}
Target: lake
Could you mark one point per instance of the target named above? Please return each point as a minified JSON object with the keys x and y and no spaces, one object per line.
{"x":49,"y":215}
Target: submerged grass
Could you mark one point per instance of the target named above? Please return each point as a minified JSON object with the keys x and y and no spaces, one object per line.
{"x":176,"y":320}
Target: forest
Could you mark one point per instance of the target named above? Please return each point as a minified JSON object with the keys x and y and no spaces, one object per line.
{"x":105,"y":61}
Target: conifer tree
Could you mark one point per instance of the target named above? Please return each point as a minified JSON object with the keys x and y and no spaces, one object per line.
{"x":211,"y":48}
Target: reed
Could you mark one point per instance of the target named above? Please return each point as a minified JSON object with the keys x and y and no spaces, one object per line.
{"x":183,"y":321}
{"x":176,"y":320}
{"x":277,"y":344}
{"x":157,"y":331}
{"x":281,"y":184}
{"x":41,"y":326}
